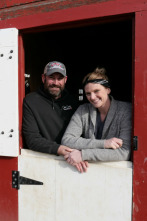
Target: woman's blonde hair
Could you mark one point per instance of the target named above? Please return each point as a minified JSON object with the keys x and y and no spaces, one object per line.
{"x":98,"y":73}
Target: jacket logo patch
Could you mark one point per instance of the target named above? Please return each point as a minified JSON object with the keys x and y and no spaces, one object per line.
{"x":67,"y":107}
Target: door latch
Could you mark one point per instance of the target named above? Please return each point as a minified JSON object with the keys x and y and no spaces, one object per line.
{"x":135,"y":143}
{"x":18,"y":180}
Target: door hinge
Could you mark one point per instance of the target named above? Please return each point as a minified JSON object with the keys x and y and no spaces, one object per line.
{"x":18,"y":180}
{"x":135,"y":143}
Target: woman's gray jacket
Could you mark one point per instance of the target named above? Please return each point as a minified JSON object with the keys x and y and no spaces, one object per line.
{"x":80,"y":133}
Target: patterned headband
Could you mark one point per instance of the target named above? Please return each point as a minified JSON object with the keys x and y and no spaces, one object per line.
{"x":103,"y":82}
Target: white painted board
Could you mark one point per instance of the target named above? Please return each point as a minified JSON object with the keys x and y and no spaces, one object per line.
{"x":9,"y":144}
{"x":103,"y":193}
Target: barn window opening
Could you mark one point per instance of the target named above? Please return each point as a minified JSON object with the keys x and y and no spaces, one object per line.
{"x":82,"y":49}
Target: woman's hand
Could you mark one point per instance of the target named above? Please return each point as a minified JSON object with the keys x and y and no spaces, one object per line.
{"x":75,"y":158}
{"x":113,"y":143}
{"x":82,"y":166}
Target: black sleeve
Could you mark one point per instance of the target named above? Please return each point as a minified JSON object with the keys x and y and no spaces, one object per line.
{"x":32,"y":136}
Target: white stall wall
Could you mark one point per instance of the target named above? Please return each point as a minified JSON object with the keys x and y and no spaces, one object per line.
{"x":9,"y":92}
{"x":103,"y":193}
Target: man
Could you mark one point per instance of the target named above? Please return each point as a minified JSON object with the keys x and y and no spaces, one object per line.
{"x":46,"y":113}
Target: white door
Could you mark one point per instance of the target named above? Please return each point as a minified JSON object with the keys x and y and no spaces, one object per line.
{"x":104,"y":193}
{"x":9,"y":92}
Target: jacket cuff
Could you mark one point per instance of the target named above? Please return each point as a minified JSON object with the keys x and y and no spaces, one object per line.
{"x":55,"y":149}
{"x":84,"y":155}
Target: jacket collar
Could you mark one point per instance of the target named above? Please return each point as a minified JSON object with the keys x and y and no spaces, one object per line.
{"x":93,"y":115}
{"x":109,"y":117}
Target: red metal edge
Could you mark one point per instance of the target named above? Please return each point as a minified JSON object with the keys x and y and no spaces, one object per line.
{"x":21,"y":85}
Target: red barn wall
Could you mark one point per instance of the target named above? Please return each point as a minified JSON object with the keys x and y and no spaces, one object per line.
{"x":31,"y":14}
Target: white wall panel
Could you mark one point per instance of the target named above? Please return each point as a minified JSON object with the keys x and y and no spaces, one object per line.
{"x":9,"y":92}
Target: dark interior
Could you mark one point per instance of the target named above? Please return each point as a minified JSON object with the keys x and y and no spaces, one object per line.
{"x":82,"y":49}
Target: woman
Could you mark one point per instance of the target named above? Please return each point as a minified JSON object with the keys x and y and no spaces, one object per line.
{"x":99,"y":130}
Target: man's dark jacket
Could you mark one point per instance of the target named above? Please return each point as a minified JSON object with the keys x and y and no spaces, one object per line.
{"x":45,"y":120}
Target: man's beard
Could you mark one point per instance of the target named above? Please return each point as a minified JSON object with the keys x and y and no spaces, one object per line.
{"x":54,"y":94}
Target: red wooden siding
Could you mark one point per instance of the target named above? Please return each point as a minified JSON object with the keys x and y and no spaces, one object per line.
{"x":98,"y":7}
{"x":140,"y":119}
{"x":8,"y":195}
{"x":10,"y":3}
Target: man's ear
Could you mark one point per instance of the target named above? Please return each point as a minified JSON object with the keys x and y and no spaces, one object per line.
{"x":65,"y":79}
{"x":43,"y":78}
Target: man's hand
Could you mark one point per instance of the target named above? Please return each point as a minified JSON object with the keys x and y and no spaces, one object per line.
{"x":63,"y":150}
{"x":113,"y":143}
